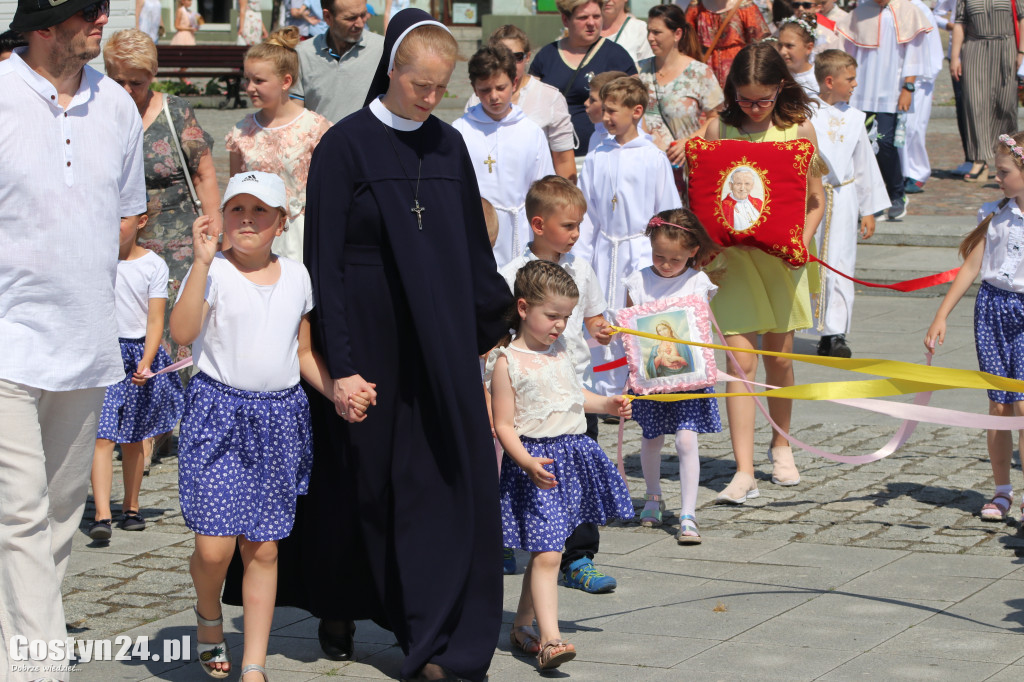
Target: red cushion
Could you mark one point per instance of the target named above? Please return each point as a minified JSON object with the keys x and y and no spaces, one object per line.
{"x":775,"y":184}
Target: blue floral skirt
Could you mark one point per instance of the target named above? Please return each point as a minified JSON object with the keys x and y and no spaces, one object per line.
{"x":243,"y":458}
{"x":661,"y":419}
{"x":589,"y":490}
{"x":999,"y":336}
{"x":133,"y":413}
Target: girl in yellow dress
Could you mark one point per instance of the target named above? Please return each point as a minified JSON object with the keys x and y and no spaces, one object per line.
{"x":760,"y":294}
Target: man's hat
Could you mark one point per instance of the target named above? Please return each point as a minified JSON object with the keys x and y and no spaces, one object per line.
{"x":266,"y":187}
{"x":35,"y":15}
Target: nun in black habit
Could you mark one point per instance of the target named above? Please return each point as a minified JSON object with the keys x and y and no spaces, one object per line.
{"x":401,"y":523}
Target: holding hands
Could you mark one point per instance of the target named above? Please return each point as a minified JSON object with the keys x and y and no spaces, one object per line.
{"x":353,"y":395}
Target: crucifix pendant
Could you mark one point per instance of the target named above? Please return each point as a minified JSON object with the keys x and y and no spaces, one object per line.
{"x":489,"y":162}
{"x":615,"y":200}
{"x":418,"y":210}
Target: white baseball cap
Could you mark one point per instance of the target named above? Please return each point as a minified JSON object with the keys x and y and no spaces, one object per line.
{"x":266,"y":187}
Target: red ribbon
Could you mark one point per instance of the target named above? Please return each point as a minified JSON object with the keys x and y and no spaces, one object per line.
{"x":621,"y":362}
{"x":905,"y":286}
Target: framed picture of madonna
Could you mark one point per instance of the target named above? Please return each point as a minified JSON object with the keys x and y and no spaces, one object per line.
{"x":661,"y":365}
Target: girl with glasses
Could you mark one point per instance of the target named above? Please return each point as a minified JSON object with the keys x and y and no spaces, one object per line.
{"x":759,"y":294}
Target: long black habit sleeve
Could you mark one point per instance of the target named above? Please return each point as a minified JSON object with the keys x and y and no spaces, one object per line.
{"x":401,"y":522}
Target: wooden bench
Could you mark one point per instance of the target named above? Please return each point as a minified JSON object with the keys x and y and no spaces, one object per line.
{"x":224,"y":62}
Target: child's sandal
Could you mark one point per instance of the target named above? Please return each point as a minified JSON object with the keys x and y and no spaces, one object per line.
{"x":649,"y":518}
{"x":688,"y":532}
{"x":525,"y":638}
{"x":994,"y":511}
{"x":212,"y":653}
{"x":253,"y":668}
{"x":554,"y":653}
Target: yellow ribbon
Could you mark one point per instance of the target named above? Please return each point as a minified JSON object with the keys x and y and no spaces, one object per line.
{"x":900,"y":377}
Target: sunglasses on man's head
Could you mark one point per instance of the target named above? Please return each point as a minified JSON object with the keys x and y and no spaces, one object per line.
{"x":93,"y":11}
{"x":520,"y":56}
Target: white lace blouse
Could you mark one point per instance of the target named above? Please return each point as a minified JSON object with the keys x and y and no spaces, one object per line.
{"x":548,"y":394}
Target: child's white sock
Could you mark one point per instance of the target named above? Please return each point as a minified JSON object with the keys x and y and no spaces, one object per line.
{"x":650,"y":462}
{"x":689,"y":469}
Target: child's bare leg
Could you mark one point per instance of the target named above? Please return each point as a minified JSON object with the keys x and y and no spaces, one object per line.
{"x":741,"y":409}
{"x":1000,"y":443}
{"x":102,"y":477}
{"x":259,"y":590}
{"x":779,"y":372}
{"x":132,"y":467}
{"x":209,"y":566}
{"x":525,"y":613}
{"x":543,"y":581}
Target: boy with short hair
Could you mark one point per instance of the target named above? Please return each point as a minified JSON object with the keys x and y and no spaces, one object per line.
{"x":593,"y":105}
{"x":507,"y":149}
{"x":853,"y":187}
{"x":556,"y":209}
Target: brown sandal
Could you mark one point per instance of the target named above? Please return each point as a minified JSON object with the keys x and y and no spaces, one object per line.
{"x":525,"y":638}
{"x":549,"y":658}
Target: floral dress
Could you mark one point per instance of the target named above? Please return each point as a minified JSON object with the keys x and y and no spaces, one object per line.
{"x":746,"y":26}
{"x":284,"y":150}
{"x":675,"y":111}
{"x":172,"y":211}
{"x":252,"y":28}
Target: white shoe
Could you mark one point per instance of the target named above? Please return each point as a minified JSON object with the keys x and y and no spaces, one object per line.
{"x":741,"y":488}
{"x":784,"y":470}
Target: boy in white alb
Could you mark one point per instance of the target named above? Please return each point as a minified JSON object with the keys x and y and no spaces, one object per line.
{"x":625,"y":181}
{"x":887,"y":38}
{"x":556,"y":208}
{"x":508,"y":150}
{"x":914,"y":154}
{"x":853,"y":188}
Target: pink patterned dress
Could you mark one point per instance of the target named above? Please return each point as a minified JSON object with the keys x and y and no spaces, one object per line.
{"x":286,"y":151}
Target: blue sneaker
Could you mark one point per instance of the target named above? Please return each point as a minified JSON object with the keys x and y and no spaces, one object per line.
{"x":508,"y":561}
{"x":582,"y":575}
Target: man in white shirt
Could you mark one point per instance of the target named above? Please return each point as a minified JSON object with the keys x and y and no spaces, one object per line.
{"x":72,"y":144}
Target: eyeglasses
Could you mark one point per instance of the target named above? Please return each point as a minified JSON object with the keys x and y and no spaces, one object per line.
{"x":520,"y":56}
{"x":93,"y":11}
{"x":804,"y":5}
{"x":759,"y":103}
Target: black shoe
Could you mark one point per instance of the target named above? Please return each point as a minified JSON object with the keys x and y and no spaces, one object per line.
{"x":839,"y":348}
{"x":100,"y":530}
{"x":825,"y":345}
{"x":337,"y":647}
{"x":132,"y":521}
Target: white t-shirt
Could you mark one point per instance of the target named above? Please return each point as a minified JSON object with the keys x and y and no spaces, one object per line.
{"x":138,"y":281}
{"x":807,"y":81}
{"x":647,"y":285}
{"x":250,"y":339}
{"x":590,"y":303}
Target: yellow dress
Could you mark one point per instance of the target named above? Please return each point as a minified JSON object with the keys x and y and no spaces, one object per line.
{"x":758,"y":292}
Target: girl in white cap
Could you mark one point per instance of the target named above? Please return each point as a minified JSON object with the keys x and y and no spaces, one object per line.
{"x":245,"y":449}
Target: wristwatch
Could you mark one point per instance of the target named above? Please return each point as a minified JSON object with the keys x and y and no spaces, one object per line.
{"x":909,"y":86}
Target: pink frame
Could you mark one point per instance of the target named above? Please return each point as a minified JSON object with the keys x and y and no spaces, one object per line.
{"x":644,"y":355}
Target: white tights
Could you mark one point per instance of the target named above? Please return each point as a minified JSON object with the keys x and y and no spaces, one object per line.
{"x":689,"y":467}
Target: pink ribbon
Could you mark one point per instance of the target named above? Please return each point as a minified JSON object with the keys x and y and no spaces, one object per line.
{"x":180,"y":364}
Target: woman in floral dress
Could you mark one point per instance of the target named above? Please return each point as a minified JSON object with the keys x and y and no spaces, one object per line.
{"x":746,"y":26}
{"x":130,"y":59}
{"x":250,"y":23}
{"x":684,"y":93}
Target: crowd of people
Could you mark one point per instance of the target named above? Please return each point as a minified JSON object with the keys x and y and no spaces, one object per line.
{"x":379,"y":303}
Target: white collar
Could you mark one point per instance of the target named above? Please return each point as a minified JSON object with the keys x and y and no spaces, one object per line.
{"x":477,"y":114}
{"x":46,"y":90}
{"x":391,"y":120}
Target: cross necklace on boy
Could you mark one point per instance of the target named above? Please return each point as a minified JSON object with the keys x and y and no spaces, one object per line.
{"x":490,"y":160}
{"x":415,"y":208}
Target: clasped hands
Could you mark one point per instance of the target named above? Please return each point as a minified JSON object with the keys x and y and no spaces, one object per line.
{"x":353,"y":395}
